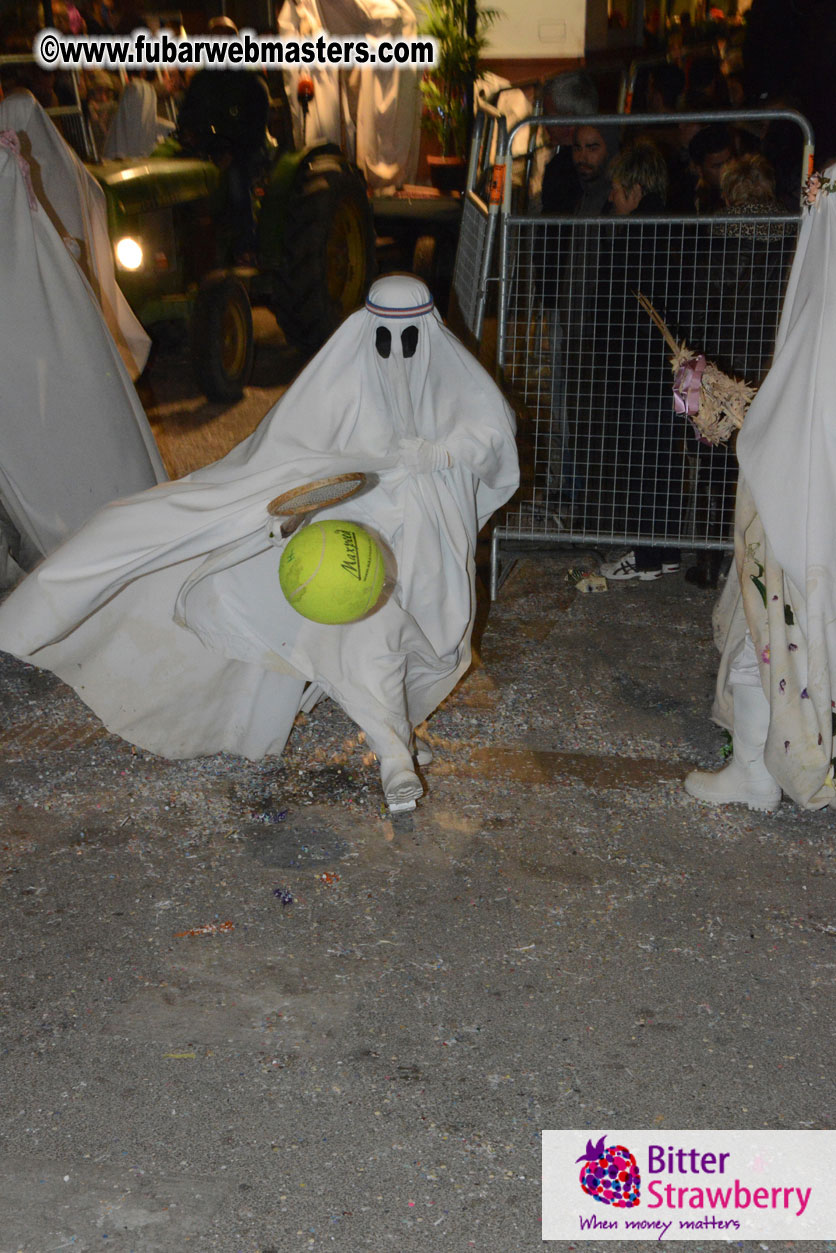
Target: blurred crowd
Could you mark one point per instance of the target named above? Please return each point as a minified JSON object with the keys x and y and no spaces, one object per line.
{"x":779,"y":57}
{"x":97,"y":93}
{"x":374,"y":118}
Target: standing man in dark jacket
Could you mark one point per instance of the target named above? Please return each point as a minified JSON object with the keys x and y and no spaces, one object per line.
{"x":224,"y":117}
{"x":571,"y":94}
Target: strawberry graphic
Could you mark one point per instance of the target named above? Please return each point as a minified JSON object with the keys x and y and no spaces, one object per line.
{"x":610,"y":1174}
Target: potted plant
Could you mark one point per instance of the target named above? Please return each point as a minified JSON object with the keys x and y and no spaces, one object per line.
{"x":460,"y":29}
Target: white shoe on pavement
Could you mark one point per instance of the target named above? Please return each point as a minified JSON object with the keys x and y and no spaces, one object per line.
{"x":745,"y":780}
{"x":401,"y":785}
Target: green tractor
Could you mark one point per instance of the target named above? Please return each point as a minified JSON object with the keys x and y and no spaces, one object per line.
{"x":315,"y":257}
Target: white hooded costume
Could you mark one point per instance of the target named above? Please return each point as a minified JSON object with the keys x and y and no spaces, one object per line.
{"x":165,"y":612}
{"x":781,"y":591}
{"x":135,"y":129}
{"x":76,"y":206}
{"x":301,"y":19}
{"x":384,"y":104}
{"x":382,"y":113}
{"x":74,"y":434}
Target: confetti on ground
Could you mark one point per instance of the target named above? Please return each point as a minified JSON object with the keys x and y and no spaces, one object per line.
{"x":208,"y":928}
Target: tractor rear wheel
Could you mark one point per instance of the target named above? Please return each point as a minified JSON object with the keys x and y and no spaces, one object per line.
{"x":328,"y":253}
{"x":222,"y":339}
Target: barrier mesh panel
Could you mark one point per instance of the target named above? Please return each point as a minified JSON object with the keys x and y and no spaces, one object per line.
{"x":605,"y":457}
{"x":71,"y":124}
{"x":474,"y":241}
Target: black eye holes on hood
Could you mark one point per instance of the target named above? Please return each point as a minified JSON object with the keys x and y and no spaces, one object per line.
{"x":383,"y":341}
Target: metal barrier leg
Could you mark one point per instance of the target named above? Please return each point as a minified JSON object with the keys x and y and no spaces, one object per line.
{"x":499,"y":572}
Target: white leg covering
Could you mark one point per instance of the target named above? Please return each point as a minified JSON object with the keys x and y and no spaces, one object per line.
{"x":421,"y":751}
{"x":401,"y":785}
{"x":745,"y":780}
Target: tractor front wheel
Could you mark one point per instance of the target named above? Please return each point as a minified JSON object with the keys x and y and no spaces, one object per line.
{"x":222,"y":339}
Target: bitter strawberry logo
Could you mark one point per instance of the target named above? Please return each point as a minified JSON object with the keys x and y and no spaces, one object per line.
{"x":610,"y":1174}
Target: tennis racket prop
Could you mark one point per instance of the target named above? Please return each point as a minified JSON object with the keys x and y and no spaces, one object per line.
{"x":715,"y":402}
{"x":295,"y":505}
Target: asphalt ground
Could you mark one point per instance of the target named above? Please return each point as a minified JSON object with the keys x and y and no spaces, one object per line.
{"x":245,"y":1010}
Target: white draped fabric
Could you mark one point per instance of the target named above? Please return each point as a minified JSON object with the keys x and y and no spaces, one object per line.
{"x":135,"y":129}
{"x":165,"y":611}
{"x":783,"y":585}
{"x":74,"y":435}
{"x":385,"y":104}
{"x":301,"y":19}
{"x":75,"y":204}
{"x":382,"y":110}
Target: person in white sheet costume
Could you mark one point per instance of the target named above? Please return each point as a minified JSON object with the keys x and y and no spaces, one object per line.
{"x":74,"y":435}
{"x":135,"y":129}
{"x":165,"y":612}
{"x":300,"y":19}
{"x":775,"y":623}
{"x":382,"y":114}
{"x":76,"y":206}
{"x":385,"y":104}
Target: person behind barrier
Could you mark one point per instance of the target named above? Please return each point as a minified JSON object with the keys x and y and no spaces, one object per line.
{"x":592,"y":149}
{"x":98,"y":17}
{"x":638,"y":180}
{"x":747,"y":186}
{"x":572,"y":94}
{"x":710,"y":150}
{"x":102,"y":103}
{"x":25,"y":75}
{"x":775,"y":623}
{"x":738,"y":283}
{"x":666,"y":85}
{"x":638,"y":390}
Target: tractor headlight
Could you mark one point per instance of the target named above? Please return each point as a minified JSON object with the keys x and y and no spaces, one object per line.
{"x":129,"y":253}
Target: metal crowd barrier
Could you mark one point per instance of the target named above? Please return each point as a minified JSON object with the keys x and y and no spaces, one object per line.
{"x":605,"y":459}
{"x":480,"y":211}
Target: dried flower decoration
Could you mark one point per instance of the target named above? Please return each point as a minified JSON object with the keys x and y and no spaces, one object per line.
{"x":715,"y":402}
{"x":816,"y":187}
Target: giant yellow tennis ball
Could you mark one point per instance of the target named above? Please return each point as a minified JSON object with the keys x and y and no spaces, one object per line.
{"x":332,"y":571}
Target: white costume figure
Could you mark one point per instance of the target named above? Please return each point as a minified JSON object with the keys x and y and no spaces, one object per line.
{"x":76,"y":206}
{"x":300,"y":19}
{"x":74,"y":435}
{"x":384,"y":104}
{"x":775,"y":623}
{"x":512,"y":103}
{"x":165,"y":611}
{"x":135,"y":130}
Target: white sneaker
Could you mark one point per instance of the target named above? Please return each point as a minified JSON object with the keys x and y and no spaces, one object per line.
{"x":625,"y":568}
